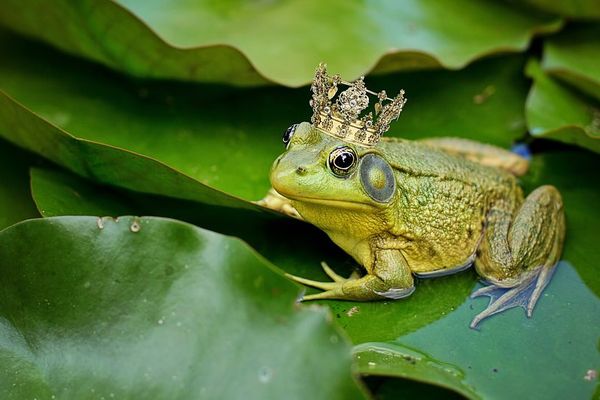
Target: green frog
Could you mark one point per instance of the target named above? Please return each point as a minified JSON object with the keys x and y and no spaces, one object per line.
{"x":404,"y":209}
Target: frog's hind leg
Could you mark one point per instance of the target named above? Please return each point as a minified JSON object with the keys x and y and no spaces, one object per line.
{"x":518,"y":256}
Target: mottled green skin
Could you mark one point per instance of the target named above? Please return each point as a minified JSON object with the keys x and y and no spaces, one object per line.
{"x":446,"y":212}
{"x":436,"y":215}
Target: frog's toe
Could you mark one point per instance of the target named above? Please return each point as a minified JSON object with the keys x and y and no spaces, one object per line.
{"x":331,"y":273}
{"x":315,"y":284}
{"x":328,"y":294}
{"x":335,"y":277}
{"x":525,"y":295}
{"x":328,"y":286}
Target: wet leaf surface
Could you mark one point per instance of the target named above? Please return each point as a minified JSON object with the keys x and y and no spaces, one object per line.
{"x":224,"y":42}
{"x":149,"y":307}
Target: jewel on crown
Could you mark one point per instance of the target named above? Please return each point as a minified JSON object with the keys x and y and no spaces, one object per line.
{"x":341,"y":118}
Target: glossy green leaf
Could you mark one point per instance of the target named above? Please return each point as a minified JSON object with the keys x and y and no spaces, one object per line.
{"x":226,"y":140}
{"x":155,"y":308}
{"x":15,"y":199}
{"x":58,"y":193}
{"x":577,"y":9}
{"x":557,"y":112}
{"x":102,"y":162}
{"x":574,"y":57}
{"x":245,"y":43}
{"x":389,"y":359}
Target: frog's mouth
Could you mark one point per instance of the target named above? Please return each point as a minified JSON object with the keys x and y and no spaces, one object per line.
{"x":333,"y":203}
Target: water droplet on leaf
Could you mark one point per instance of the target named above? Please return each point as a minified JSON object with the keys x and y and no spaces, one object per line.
{"x":135,"y":227}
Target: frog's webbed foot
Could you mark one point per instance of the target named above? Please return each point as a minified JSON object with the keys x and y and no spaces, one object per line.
{"x":520,"y":251}
{"x":277,"y":202}
{"x":331,"y":289}
{"x":525,"y":295}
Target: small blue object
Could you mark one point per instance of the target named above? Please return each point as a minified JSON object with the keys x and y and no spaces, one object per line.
{"x":522,"y":149}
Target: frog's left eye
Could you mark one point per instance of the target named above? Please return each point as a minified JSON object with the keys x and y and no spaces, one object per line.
{"x":287,"y":135}
{"x":341,"y":160}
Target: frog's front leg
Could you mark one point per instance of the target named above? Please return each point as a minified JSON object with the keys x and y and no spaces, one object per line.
{"x":519,"y":252}
{"x":388,"y":277}
{"x":277,"y":202}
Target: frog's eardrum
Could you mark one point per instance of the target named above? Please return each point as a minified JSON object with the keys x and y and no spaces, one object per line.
{"x":377,"y":178}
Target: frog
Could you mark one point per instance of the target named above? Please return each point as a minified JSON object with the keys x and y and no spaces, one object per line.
{"x":407,"y":210}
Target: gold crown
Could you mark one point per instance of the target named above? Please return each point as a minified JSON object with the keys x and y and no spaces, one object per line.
{"x":340,"y":119}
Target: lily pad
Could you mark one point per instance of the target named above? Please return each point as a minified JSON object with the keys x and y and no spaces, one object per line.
{"x":390,"y":359}
{"x":58,"y":193}
{"x":244,"y":44}
{"x":16,"y":203}
{"x":225,"y":139}
{"x":86,"y":312}
{"x":574,"y":56}
{"x":104,"y":163}
{"x":556,"y":112}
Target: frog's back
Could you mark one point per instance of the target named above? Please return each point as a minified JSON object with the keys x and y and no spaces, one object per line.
{"x":441,"y":204}
{"x":419,"y":159}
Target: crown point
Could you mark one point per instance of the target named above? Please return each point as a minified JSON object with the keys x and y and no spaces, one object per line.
{"x":340,"y":117}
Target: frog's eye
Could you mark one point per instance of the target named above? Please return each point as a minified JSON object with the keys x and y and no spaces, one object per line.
{"x":287,"y":135}
{"x":341,"y":160}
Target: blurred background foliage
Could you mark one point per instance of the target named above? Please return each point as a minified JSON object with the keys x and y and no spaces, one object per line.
{"x":174,"y":109}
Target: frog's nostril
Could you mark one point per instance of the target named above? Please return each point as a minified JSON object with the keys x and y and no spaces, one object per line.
{"x":301,"y":170}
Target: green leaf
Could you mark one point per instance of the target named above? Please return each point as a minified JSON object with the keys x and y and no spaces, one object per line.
{"x":226,"y":140}
{"x":574,"y":56}
{"x":15,"y":199}
{"x":556,"y":112}
{"x":390,"y":359}
{"x":579,"y":9}
{"x":245,"y":43}
{"x":155,"y":308}
{"x":57,"y":193}
{"x":104,"y":163}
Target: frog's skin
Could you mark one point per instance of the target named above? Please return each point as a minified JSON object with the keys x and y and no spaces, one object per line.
{"x":423,"y":208}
